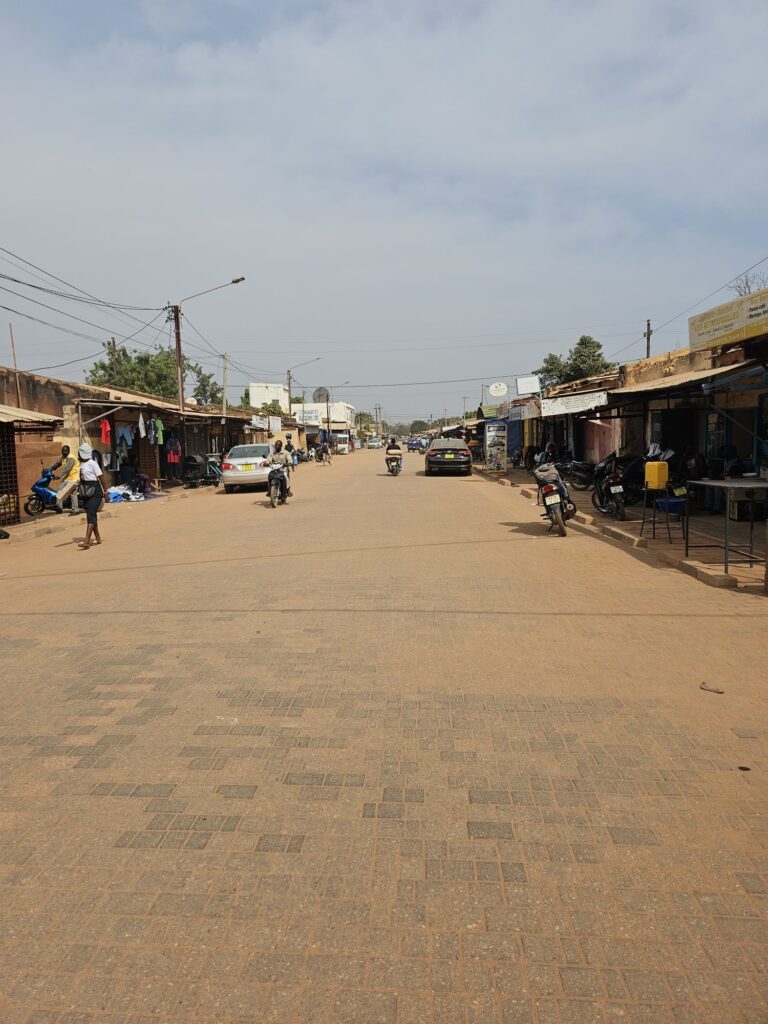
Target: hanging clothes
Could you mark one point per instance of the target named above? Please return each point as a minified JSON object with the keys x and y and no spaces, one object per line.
{"x":142,"y":428}
{"x":173,"y":450}
{"x":160,"y":428}
{"x":152,"y":430}
{"x":125,"y":434}
{"x":106,"y":431}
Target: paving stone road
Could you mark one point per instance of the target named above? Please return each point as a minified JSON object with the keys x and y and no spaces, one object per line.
{"x":387,"y":755}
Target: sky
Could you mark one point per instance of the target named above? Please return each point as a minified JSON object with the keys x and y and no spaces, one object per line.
{"x":415,"y":190}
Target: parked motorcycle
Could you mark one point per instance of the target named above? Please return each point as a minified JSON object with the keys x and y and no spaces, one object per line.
{"x":581,"y":475}
{"x":277,"y":483}
{"x":43,"y":497}
{"x":558,"y":507}
{"x":608,"y":493}
{"x":394,"y":464}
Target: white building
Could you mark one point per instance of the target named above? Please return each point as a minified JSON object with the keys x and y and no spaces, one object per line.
{"x":262,"y":394}
{"x":316,"y":414}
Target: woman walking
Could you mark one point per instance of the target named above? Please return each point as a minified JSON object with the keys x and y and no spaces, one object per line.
{"x":93,"y":493}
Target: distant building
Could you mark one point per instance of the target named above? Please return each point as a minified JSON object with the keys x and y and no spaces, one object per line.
{"x":263,"y":394}
{"x":317,"y":413}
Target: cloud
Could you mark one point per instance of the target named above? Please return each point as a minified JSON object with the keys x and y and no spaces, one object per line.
{"x":390,"y":170}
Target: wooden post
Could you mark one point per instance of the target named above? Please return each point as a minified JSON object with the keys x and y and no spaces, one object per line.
{"x":15,"y":367}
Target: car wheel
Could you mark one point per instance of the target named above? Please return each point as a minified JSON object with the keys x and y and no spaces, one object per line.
{"x":228,"y":488}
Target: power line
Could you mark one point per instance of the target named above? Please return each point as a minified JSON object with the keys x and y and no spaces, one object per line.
{"x":77,"y":298}
{"x":415,"y":383}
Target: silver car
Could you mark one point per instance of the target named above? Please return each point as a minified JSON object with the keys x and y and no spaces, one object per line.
{"x":246,"y":465}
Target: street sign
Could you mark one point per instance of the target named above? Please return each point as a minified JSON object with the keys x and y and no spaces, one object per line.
{"x":530,"y":385}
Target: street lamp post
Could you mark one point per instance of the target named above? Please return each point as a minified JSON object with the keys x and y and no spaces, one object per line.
{"x":175,"y":314}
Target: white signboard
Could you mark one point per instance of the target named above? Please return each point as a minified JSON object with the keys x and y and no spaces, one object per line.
{"x":530,"y":385}
{"x":498,"y":390}
{"x":745,"y":317}
{"x":573,"y":403}
{"x":275,"y":424}
{"x":304,"y":415}
{"x":259,"y":422}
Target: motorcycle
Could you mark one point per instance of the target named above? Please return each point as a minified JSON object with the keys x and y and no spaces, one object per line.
{"x":558,"y":507}
{"x":43,"y":497}
{"x":277,"y":484}
{"x":394,"y":464}
{"x":581,"y":475}
{"x":608,"y":493}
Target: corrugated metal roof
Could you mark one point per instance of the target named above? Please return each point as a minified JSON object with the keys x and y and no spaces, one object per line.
{"x":10,"y":414}
{"x":678,"y":379}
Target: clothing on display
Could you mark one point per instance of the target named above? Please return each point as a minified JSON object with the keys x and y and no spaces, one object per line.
{"x":106,"y":431}
{"x":173,"y":450}
{"x":160,"y":428}
{"x":152,"y":431}
{"x":125,"y":434}
{"x":142,"y":428}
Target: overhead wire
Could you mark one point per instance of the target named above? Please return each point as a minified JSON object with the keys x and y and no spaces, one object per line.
{"x":78,"y":298}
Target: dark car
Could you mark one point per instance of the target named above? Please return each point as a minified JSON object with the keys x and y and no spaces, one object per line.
{"x":447,"y":454}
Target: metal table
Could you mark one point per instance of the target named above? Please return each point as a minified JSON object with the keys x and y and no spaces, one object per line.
{"x":740,"y":489}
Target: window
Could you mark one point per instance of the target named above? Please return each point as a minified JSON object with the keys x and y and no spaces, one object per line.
{"x":249,"y":451}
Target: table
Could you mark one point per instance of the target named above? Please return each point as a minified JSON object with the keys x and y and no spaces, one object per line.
{"x":741,"y":489}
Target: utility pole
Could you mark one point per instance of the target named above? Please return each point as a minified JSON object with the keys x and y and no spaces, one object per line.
{"x":15,"y":367}
{"x":224,"y":376}
{"x":289,"y":392}
{"x":648,"y":333}
{"x":176,"y":313}
{"x":464,"y":400}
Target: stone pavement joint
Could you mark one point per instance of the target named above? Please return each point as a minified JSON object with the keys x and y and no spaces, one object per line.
{"x":431,"y":767}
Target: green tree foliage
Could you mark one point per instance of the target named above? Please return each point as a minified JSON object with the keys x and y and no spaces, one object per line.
{"x":271,"y":409}
{"x":245,"y":400}
{"x":206,"y":390}
{"x":297,"y":400}
{"x":585,"y":359}
{"x":419,"y":426}
{"x":151,"y":371}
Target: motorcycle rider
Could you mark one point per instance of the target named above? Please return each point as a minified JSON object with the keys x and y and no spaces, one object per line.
{"x":70,"y":477}
{"x":394,"y":451}
{"x":280,"y":457}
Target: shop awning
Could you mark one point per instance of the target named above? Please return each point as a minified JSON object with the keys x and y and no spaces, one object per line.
{"x":681,"y":380}
{"x":567,"y":404}
{"x":10,"y":414}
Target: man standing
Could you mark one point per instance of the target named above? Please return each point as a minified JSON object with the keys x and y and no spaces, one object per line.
{"x":70,"y":477}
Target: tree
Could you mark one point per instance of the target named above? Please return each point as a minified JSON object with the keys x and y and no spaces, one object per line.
{"x":152,"y":372}
{"x":206,"y":390}
{"x":419,"y":426}
{"x":245,"y":399}
{"x":297,"y":400}
{"x":749,"y":282}
{"x":585,"y":359}
{"x":272,"y":408}
{"x":553,"y":370}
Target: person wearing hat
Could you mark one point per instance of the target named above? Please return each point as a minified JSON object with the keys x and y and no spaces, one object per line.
{"x":93,"y":493}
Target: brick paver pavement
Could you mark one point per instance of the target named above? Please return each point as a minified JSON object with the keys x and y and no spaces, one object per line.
{"x":388,"y":755}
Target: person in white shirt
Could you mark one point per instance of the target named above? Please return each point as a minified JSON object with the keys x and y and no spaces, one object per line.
{"x":93,"y":493}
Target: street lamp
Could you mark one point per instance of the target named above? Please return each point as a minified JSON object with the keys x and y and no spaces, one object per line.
{"x":298,"y":367}
{"x":175,"y":311}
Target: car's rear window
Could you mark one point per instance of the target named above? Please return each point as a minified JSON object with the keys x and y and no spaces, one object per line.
{"x":451,"y":444}
{"x":249,"y":451}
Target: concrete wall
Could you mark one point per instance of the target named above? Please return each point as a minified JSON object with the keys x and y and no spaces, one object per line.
{"x":260,"y":394}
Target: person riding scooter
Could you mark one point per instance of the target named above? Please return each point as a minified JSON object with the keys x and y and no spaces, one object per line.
{"x":280,"y":457}
{"x":394,"y":451}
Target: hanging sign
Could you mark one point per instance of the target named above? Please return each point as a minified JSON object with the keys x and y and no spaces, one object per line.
{"x":573,"y":403}
{"x":259,"y":422}
{"x":275,"y":424}
{"x":530,"y":385}
{"x":745,"y":317}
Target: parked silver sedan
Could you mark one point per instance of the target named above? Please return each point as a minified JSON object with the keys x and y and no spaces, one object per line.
{"x":246,"y":465}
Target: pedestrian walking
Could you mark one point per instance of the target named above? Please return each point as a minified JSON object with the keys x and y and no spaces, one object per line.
{"x":93,"y":493}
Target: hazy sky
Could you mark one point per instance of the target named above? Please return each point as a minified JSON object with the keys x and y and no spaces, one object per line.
{"x":415,"y":189}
